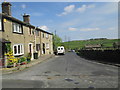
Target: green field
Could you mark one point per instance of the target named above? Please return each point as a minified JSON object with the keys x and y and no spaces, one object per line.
{"x":80,"y":44}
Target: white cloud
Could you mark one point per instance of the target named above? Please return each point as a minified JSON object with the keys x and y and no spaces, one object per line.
{"x":71,"y":8}
{"x":44,"y":28}
{"x":84,"y":8}
{"x":67,"y":10}
{"x":89,"y":29}
{"x":81,"y":9}
{"x":72,"y":29}
{"x":23,"y":6}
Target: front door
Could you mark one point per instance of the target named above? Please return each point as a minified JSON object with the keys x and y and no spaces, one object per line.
{"x":31,"y":50}
{"x":43,"y":48}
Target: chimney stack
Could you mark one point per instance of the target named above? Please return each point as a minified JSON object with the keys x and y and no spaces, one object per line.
{"x":26,"y":18}
{"x":6,"y":8}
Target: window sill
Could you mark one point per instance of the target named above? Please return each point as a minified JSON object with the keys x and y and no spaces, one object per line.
{"x":17,"y":33}
{"x":18,"y":54}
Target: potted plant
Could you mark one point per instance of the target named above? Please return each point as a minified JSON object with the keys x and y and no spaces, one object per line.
{"x":28,"y":57}
{"x":22,"y":61}
{"x":10,"y":64}
{"x":11,"y":60}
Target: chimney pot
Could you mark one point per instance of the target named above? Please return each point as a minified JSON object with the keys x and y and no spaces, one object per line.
{"x":26,"y":18}
{"x":6,"y":8}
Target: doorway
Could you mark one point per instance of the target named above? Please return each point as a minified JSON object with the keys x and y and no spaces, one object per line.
{"x":43,"y":48}
{"x":30,"y":48}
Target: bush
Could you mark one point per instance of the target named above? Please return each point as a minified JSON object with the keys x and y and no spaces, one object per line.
{"x":10,"y":58}
{"x":28,"y":56}
{"x":10,"y":62}
{"x":22,"y":59}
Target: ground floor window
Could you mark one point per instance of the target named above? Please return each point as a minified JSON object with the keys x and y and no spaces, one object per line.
{"x":37,"y":47}
{"x":47,"y":45}
{"x":18,"y":49}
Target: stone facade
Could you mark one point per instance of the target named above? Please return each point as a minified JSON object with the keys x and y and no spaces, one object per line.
{"x":24,"y":37}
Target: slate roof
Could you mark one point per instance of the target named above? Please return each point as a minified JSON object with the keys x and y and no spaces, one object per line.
{"x":21,"y":22}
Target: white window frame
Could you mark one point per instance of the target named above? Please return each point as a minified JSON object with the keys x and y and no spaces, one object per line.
{"x":47,"y":45}
{"x":37,"y":48}
{"x":37,"y":33}
{"x":31,"y":31}
{"x":47,"y":35}
{"x":51,"y":38}
{"x":21,"y":49}
{"x":0,"y":23}
{"x":17,"y":28}
{"x":43,"y":35}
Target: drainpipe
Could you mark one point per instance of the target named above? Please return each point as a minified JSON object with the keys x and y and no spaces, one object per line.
{"x":40,"y":44}
{"x":35,"y":38}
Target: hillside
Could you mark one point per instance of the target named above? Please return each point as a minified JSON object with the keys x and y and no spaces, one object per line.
{"x":81,"y":43}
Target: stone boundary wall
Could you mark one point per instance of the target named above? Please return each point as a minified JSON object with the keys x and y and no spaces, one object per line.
{"x":112,"y":56}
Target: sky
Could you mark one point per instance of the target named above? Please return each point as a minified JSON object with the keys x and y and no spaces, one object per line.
{"x":72,"y":20}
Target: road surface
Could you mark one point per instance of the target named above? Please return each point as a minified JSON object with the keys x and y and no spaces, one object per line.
{"x":64,"y":71}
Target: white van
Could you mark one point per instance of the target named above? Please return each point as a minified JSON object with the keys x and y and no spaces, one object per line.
{"x":60,"y":50}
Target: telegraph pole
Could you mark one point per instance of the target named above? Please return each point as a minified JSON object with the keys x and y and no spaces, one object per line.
{"x":55,"y":32}
{"x":54,"y":46}
{"x":68,"y":43}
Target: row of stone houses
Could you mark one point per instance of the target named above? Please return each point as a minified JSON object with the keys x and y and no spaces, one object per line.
{"x":23,"y":37}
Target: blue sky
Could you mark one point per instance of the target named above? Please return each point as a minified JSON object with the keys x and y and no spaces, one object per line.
{"x":74,"y":20}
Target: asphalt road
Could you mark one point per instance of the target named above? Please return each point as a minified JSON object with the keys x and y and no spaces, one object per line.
{"x":64,"y":71}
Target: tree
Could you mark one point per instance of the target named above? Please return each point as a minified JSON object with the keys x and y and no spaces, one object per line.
{"x":57,"y":41}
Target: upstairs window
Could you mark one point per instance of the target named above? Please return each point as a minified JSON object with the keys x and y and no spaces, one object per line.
{"x":43,"y":35}
{"x":33,"y":31}
{"x":37,"y":33}
{"x":51,"y":38}
{"x":47,"y":35}
{"x":17,"y":28}
{"x":30,"y":31}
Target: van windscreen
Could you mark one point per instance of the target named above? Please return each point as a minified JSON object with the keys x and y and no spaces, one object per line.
{"x":58,"y":48}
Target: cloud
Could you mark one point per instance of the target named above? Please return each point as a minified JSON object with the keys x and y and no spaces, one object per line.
{"x":81,"y":9}
{"x":44,"y":28}
{"x":71,"y":8}
{"x":72,"y":29}
{"x":23,"y":6}
{"x":89,"y":29}
{"x":67,"y":10}
{"x":84,"y":8}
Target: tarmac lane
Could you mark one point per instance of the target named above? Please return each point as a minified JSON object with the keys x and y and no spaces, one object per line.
{"x":64,"y":71}
{"x":22,"y":84}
